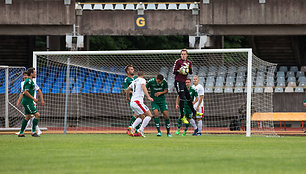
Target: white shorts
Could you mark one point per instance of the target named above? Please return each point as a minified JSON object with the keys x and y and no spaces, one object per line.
{"x":139,"y":107}
{"x":200,"y":110}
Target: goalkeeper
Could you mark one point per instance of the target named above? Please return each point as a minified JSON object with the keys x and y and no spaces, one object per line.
{"x":187,"y":110}
{"x":179,"y":69}
{"x":159,"y":87}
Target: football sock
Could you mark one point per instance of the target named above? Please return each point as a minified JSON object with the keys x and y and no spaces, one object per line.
{"x":35,"y":122}
{"x":167,"y":121}
{"x":145,"y":122}
{"x":132,"y":120}
{"x":136,"y":122}
{"x":30,"y":122}
{"x":186,"y":127}
{"x":137,"y":127}
{"x":23,"y":126}
{"x":157,"y":123}
{"x":200,"y":126}
{"x":193,"y":124}
{"x":179,"y":123}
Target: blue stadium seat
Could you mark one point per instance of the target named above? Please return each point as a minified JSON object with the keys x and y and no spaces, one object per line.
{"x":108,"y":83}
{"x":15,"y":88}
{"x":96,"y":90}
{"x":118,"y":84}
{"x":45,"y":90}
{"x":2,"y":89}
{"x":76,"y":89}
{"x":56,"y":90}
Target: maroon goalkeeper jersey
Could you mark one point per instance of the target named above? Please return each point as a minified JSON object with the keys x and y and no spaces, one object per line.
{"x":177,"y":65}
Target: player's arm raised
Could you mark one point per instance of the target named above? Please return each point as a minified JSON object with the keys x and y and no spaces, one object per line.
{"x":143,"y":86}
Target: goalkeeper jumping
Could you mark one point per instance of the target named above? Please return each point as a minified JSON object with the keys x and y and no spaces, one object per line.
{"x":179,"y":69}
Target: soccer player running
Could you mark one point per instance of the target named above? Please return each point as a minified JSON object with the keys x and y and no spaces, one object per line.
{"x":129,"y":69}
{"x":187,"y":110}
{"x":142,"y":112}
{"x":159,"y":87}
{"x":180,"y":84}
{"x":27,"y":102}
{"x":199,"y":107}
{"x":25,"y":76}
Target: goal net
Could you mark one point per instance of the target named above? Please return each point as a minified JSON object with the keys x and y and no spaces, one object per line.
{"x":86,"y":88}
{"x":10,"y":80}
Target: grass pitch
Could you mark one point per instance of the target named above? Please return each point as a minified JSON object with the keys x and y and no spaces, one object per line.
{"x":107,"y":153}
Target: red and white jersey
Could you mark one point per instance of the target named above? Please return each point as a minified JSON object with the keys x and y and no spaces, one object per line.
{"x":138,"y":93}
{"x":36,"y":89}
{"x":200,"y":90}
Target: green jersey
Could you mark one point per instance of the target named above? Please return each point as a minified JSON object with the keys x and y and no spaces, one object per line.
{"x":127,"y":81}
{"x":155,"y":87}
{"x":305,"y":101}
{"x":29,"y":85}
{"x":193,"y":93}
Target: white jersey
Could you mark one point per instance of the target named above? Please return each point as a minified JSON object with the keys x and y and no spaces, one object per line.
{"x":200,"y":90}
{"x":138,"y":93}
{"x":36,"y":89}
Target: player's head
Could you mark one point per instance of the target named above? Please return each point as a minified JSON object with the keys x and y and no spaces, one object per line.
{"x":184,"y":54}
{"x":129,"y":69}
{"x":159,"y":78}
{"x":188,"y":82}
{"x":195,"y":80}
{"x":24,"y":75}
{"x":140,"y":73}
{"x":31,"y":72}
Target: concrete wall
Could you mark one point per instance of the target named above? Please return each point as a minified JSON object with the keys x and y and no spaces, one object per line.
{"x":236,"y":12}
{"x":39,"y":17}
{"x":122,"y":23}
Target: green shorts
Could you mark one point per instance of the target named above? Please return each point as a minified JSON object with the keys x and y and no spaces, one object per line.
{"x":29,"y":109}
{"x":187,"y":112}
{"x":160,"y":105}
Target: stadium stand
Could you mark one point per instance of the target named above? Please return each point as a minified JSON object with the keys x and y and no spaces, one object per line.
{"x":214,"y":79}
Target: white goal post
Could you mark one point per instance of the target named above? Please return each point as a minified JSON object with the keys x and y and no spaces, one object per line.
{"x":240,"y":65}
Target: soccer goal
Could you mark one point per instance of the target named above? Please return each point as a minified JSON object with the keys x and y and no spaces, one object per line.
{"x":83,"y":89}
{"x":10,"y":79}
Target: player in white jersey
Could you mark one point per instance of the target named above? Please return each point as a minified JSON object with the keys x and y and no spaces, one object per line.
{"x":142,"y":112}
{"x":25,"y":76}
{"x":199,"y":107}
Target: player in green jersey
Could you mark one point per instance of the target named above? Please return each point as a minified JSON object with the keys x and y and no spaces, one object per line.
{"x":27,"y":102}
{"x":129,"y":69}
{"x":187,"y":111}
{"x":159,"y":87}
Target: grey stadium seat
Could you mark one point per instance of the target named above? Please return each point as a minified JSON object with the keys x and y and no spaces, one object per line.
{"x":258,"y":90}
{"x":218,"y":90}
{"x":290,"y":74}
{"x":299,"y":89}
{"x":238,"y":90}
{"x":300,"y":74}
{"x":219,"y":84}
{"x":283,"y":68}
{"x":280,"y":74}
{"x":294,"y":68}
{"x":289,"y":89}
{"x":278,"y":89}
{"x":208,"y":90}
{"x":268,"y":89}
{"x":228,"y":90}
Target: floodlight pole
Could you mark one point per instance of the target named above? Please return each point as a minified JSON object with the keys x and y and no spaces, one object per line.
{"x":67,"y":93}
